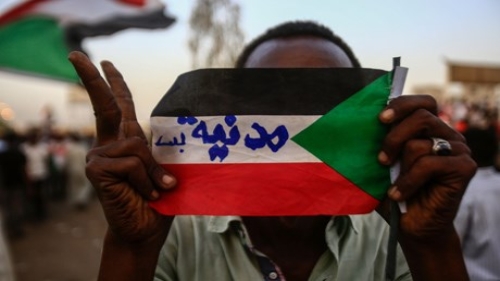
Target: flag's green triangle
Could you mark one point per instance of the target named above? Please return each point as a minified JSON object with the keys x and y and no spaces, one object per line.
{"x":348,"y":137}
{"x":36,"y":46}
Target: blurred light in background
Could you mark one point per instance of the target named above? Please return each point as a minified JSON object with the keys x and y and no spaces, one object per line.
{"x":6,"y":113}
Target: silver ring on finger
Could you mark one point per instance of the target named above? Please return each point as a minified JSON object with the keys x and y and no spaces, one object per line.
{"x":441,"y":147}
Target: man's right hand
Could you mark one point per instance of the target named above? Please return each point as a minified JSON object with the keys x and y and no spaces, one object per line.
{"x":120,"y":165}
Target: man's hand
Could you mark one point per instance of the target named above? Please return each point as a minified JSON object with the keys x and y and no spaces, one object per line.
{"x":121,"y":168}
{"x":431,"y":185}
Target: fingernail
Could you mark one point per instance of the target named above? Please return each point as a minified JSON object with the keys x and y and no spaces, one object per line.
{"x":394,"y":193}
{"x":383,"y":158}
{"x":155,"y":194}
{"x":168,"y":180}
{"x":387,"y":115}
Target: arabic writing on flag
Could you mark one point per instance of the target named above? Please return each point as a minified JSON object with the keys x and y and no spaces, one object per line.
{"x":272,"y":142}
{"x":37,"y":35}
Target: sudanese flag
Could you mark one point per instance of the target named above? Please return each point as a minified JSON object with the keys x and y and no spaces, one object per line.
{"x":272,"y":142}
{"x":36,"y":36}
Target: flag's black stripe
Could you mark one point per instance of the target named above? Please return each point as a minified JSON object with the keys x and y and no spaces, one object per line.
{"x":212,"y":92}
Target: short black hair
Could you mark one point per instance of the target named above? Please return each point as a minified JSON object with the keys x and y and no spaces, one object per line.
{"x":483,"y":144}
{"x":296,"y":28}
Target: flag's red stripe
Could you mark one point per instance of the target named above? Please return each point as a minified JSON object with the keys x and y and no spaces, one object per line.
{"x":19,"y":11}
{"x":245,"y":189}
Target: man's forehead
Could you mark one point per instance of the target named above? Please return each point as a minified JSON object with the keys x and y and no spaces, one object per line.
{"x":299,"y":52}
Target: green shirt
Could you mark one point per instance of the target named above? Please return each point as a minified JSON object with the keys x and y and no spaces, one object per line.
{"x":217,"y":248}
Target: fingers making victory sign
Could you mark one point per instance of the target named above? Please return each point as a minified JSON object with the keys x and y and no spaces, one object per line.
{"x":120,"y":165}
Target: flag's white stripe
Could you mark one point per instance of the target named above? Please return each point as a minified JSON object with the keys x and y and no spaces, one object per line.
{"x":175,"y":143}
{"x":92,"y":11}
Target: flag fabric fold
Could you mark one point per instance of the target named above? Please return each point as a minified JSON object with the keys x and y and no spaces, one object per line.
{"x":36,"y":36}
{"x":272,"y":142}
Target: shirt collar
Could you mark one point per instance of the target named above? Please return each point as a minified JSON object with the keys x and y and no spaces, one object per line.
{"x":353,"y":223}
{"x":220,"y":224}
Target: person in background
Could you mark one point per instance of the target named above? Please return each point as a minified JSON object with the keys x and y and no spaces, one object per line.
{"x":58,"y":174}
{"x":6,"y":269}
{"x":37,"y":154}
{"x":478,"y":218}
{"x":141,"y":244}
{"x":13,"y":185}
{"x":78,"y":186}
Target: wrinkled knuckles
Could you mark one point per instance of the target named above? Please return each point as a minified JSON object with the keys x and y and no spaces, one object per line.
{"x":391,"y":142}
{"x":109,"y":111}
{"x":431,"y":103}
{"x":415,"y":146}
{"x":91,"y":154}
{"x":113,"y":75}
{"x":140,"y":147}
{"x":406,"y":104}
{"x":93,"y":170}
{"x":426,"y":120}
{"x":92,"y":77}
{"x":117,"y":197}
{"x":137,"y":141}
{"x":425,"y":101}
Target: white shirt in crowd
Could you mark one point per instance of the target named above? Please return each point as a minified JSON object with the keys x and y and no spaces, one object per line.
{"x":36,"y":154}
{"x":478,"y":225}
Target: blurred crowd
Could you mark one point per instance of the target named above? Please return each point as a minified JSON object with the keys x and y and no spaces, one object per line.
{"x":479,"y":123}
{"x":38,"y":167}
{"x":477,"y":219}
{"x":462,"y":115}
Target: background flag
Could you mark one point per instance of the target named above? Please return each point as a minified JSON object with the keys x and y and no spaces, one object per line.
{"x":37,"y":35}
{"x":273,"y":141}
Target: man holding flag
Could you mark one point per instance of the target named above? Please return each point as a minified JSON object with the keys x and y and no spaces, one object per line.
{"x":142,"y":244}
